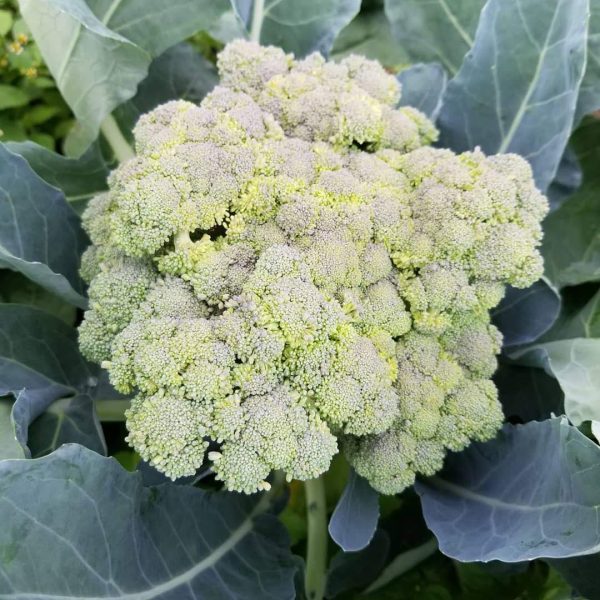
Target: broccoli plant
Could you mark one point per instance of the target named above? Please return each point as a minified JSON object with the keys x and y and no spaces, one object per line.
{"x":305,"y":315}
{"x":290,"y":270}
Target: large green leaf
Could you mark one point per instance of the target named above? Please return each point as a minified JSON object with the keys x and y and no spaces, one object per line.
{"x":99,"y":51}
{"x":571,"y":246}
{"x":67,"y":420}
{"x":528,"y":393}
{"x":354,"y":520}
{"x":130,"y":542}
{"x":576,"y":365}
{"x":370,"y":35}
{"x":423,"y":87}
{"x":532,"y":492}
{"x":581,"y":573}
{"x":572,"y":240}
{"x":40,"y":363}
{"x":156,"y":25}
{"x":179,"y":73}
{"x":79,"y":179}
{"x":94,"y":68}
{"x":581,"y":322}
{"x":350,"y":570}
{"x":9,"y":445}
{"x":524,"y":315}
{"x":589,"y":95}
{"x":17,"y":289}
{"x":298,"y":27}
{"x":40,"y":235}
{"x":567,"y":180}
{"x":435,"y":30}
{"x":517,"y":89}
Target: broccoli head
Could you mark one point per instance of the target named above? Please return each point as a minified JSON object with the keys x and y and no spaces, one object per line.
{"x":290,"y":270}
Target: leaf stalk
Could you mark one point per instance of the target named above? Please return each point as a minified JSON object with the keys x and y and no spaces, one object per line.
{"x":316,"y":548}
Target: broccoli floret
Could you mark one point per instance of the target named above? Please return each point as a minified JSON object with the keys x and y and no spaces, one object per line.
{"x":289,"y":269}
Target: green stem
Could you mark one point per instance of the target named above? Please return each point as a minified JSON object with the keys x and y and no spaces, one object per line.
{"x":402,"y":563}
{"x":258,"y":15}
{"x":316,"y":551}
{"x":110,"y":130}
{"x":111,"y":410}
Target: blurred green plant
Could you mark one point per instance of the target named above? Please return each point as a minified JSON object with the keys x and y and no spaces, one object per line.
{"x":30,"y":105}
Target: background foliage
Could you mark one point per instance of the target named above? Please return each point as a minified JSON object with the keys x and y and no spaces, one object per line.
{"x":513,"y":518}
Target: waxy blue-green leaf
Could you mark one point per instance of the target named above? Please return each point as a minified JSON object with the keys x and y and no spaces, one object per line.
{"x":180,"y":73}
{"x":580,"y":317}
{"x":567,"y":180}
{"x":435,"y":30}
{"x":589,"y":94}
{"x":130,"y":542}
{"x":524,"y":315}
{"x":354,"y":520}
{"x":369,"y":34}
{"x":298,"y":27}
{"x":99,"y":51}
{"x":78,"y":179}
{"x":9,"y":445}
{"x":39,"y":364}
{"x":517,"y":88}
{"x":40,"y":235}
{"x":95,"y":68}
{"x":155,"y":25}
{"x":571,"y":245}
{"x":528,"y":393}
{"x":575,"y":363}
{"x":355,"y":570}
{"x":581,"y":573}
{"x":530,"y":493}
{"x":65,"y":421}
{"x":423,"y":86}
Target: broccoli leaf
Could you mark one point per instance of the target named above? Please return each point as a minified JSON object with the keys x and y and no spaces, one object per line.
{"x":582,"y":573}
{"x":298,"y":27}
{"x":133,"y":542}
{"x":576,"y":365}
{"x":66,"y":420}
{"x":517,"y":88}
{"x":581,"y":322}
{"x":180,"y":73}
{"x":567,"y":180}
{"x":439,"y":30}
{"x":95,"y":68}
{"x":98,"y":52}
{"x":589,"y":94}
{"x":529,"y":493}
{"x":528,"y":393}
{"x":571,"y":246}
{"x":350,"y":570}
{"x":9,"y":446}
{"x":369,"y":34}
{"x":355,"y":517}
{"x":40,"y":235}
{"x":40,"y":364}
{"x":79,"y":179}
{"x":423,"y":86}
{"x":524,"y":315}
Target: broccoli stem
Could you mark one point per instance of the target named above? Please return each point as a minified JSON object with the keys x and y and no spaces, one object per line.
{"x":257,"y":20}
{"x":110,"y":130}
{"x":402,"y":563}
{"x":316,"y":551}
{"x":111,"y":410}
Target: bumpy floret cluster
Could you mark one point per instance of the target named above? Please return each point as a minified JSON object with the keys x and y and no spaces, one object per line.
{"x":289,"y":270}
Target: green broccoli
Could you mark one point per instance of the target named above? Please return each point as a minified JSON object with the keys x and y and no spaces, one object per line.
{"x":290,"y":270}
